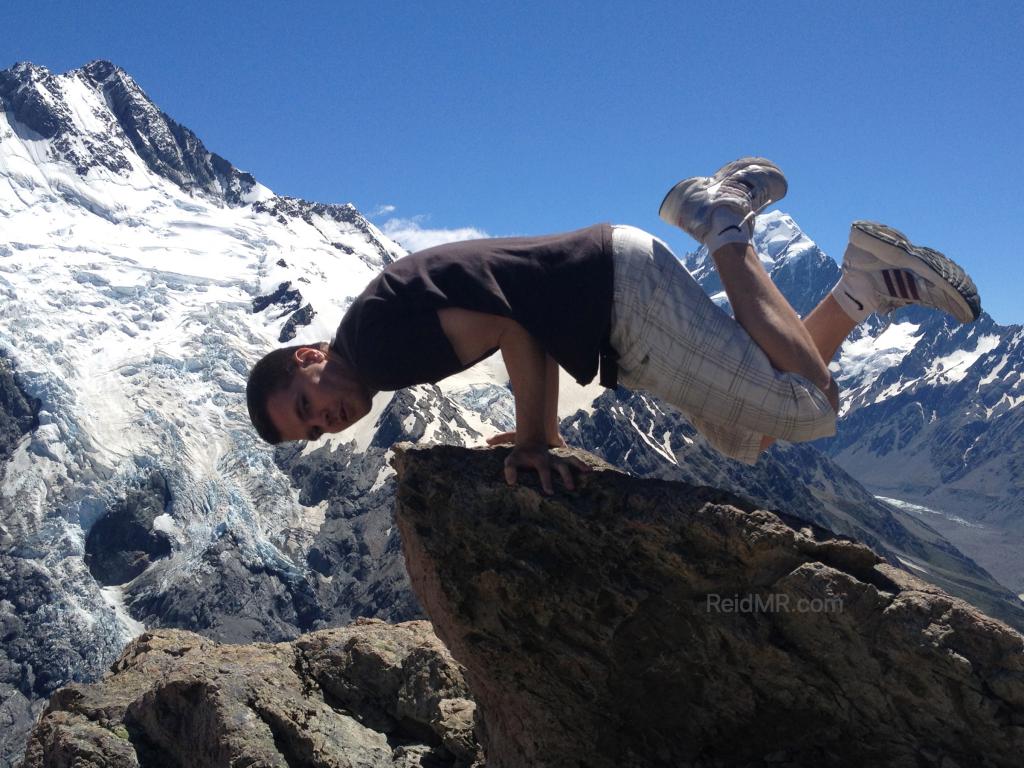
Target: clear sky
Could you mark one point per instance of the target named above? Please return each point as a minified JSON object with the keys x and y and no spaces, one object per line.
{"x":531,"y":117}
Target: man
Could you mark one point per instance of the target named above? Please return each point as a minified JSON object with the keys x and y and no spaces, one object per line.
{"x":618,"y":296}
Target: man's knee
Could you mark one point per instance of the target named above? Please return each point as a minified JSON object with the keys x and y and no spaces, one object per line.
{"x":814,"y":414}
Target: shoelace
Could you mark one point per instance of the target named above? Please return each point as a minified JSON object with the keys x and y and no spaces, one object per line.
{"x":758,"y":198}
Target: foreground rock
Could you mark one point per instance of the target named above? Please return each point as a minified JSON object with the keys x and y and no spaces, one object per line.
{"x":371,"y":694}
{"x":651,"y":623}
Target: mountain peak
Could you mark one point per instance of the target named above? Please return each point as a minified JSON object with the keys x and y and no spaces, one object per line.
{"x":803,"y":272}
{"x":24,"y":69}
{"x":778,"y":236}
{"x":100,"y":69}
{"x":97,"y":116}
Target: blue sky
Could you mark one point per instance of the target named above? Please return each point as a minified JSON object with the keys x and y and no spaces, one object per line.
{"x":530,"y":117}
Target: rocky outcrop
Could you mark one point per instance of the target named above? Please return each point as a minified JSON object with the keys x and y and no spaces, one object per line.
{"x":652,"y":623}
{"x":371,"y":694}
{"x":124,"y":542}
{"x":299,"y":318}
{"x":18,"y":412}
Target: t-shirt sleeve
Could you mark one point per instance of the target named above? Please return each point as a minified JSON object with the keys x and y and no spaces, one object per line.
{"x":398,"y":348}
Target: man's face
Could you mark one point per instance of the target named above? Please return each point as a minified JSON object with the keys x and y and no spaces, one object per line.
{"x":324,"y":396}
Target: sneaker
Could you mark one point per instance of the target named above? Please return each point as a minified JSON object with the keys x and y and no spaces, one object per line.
{"x":885,"y":269}
{"x":746,"y":185}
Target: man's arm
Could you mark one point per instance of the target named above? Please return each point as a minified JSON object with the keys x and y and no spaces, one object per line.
{"x":551,"y":401}
{"x":526,"y":362}
{"x":471,"y":334}
{"x":534,"y":377}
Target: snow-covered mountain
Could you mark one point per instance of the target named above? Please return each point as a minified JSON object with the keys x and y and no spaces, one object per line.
{"x":940,"y":430}
{"x":141,"y":275}
{"x":803,"y":272}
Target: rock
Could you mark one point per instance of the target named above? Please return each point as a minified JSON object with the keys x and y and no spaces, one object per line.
{"x":299,"y":318}
{"x":284,"y":300}
{"x":370,"y":694}
{"x":19,"y":413}
{"x":123,"y":543}
{"x":652,"y":623}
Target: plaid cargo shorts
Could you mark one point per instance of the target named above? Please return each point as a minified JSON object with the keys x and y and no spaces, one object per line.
{"x":677,"y":344}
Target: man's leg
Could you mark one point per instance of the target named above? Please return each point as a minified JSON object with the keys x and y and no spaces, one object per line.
{"x":792,"y":346}
{"x":882,"y":270}
{"x":880,"y":266}
{"x":828,"y":326}
{"x":683,"y":348}
{"x":718,"y":211}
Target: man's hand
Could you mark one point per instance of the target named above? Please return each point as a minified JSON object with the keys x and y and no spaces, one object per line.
{"x":509,"y":438}
{"x":533,"y":375}
{"x":539,"y":457}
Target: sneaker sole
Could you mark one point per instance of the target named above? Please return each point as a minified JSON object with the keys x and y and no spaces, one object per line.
{"x":726,"y":170}
{"x":900,"y":252}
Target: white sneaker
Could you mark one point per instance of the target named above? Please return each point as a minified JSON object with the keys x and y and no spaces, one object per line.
{"x":746,"y":185}
{"x":884,"y":270}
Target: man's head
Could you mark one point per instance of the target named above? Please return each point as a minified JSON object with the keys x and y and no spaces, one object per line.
{"x":301,"y":392}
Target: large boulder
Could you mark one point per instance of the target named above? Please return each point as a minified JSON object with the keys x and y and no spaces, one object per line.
{"x":653,"y":623}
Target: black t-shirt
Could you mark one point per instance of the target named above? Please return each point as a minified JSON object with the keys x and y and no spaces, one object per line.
{"x":558,"y":287}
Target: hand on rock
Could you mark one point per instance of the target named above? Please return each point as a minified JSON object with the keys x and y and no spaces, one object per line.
{"x":540,"y":458}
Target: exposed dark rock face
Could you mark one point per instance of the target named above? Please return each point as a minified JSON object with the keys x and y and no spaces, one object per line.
{"x":41,"y":648}
{"x":168,"y":148}
{"x":652,"y":623}
{"x":371,"y":694}
{"x":18,"y":412}
{"x":284,"y":300}
{"x":282,"y":208}
{"x":31,"y":93}
{"x":28,"y":104}
{"x":298,"y":319}
{"x":356,"y":553}
{"x":234,"y":597}
{"x":123,"y":543}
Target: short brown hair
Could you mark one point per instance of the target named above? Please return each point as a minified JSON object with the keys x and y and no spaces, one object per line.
{"x":270,"y":375}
